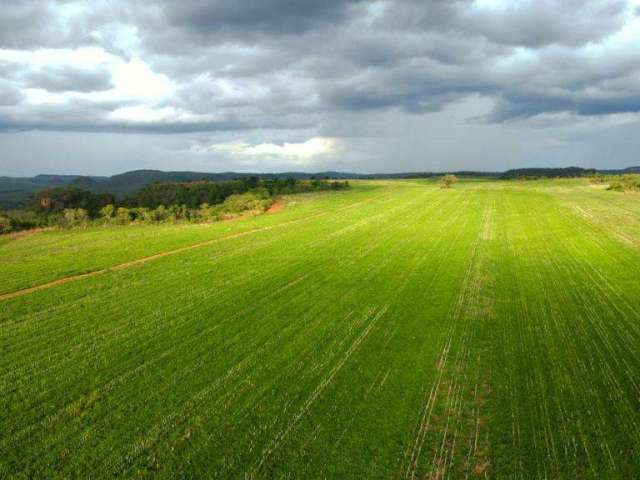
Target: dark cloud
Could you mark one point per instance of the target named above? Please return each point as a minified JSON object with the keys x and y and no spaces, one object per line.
{"x":275,"y":17}
{"x":270,"y":59}
{"x":518,"y":106}
{"x":30,"y":24}
{"x":24,"y":24}
{"x":527,"y":23}
{"x":249,"y":67}
{"x":537,"y":23}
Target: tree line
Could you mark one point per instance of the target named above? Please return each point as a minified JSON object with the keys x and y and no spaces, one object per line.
{"x":198,"y":201}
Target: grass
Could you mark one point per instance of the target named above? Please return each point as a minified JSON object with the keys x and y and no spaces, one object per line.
{"x":397,"y":330}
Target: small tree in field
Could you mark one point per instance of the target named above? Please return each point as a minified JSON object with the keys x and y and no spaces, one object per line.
{"x":447,"y":180}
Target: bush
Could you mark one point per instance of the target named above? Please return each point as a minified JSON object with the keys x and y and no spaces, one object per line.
{"x":243,"y":202}
{"x":447,"y":180}
{"x":598,"y":179}
{"x":626,"y":183}
{"x":123,"y":216}
{"x":73,"y":217}
{"x":108,"y":212}
{"x":5,"y":224}
{"x":158,"y":215}
{"x":140,"y":214}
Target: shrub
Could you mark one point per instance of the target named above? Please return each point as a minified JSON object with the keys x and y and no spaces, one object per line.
{"x":598,"y":178}
{"x":447,"y":180}
{"x":123,"y":216}
{"x":626,"y":183}
{"x":245,"y":202}
{"x":159,"y":214}
{"x":140,"y":214}
{"x":73,"y":217}
{"x":5,"y":224}
{"x":108,"y":212}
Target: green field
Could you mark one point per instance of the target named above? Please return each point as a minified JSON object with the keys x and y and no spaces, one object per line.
{"x":395,"y":330}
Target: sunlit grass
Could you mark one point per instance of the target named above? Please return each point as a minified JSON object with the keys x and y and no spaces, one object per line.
{"x":397,"y":330}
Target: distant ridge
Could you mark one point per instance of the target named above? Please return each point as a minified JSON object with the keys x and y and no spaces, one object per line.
{"x":564,"y":172}
{"x":16,"y":191}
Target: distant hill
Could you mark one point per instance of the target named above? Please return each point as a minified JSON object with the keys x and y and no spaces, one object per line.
{"x":564,"y":172}
{"x":623,"y":171}
{"x":548,"y":172}
{"x":16,"y":191}
{"x":129,"y":183}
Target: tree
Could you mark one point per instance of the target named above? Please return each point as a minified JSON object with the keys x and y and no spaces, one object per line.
{"x":61,"y":198}
{"x":108,"y":212}
{"x":159,"y":214}
{"x":447,"y":180}
{"x":123,"y":215}
{"x":140,"y":214}
{"x":75,"y":216}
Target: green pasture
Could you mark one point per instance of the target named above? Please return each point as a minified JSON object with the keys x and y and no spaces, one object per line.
{"x":395,"y":330}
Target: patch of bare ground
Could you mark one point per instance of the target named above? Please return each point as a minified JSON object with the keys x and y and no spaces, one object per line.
{"x":60,"y":281}
{"x":480,"y":468}
{"x":276,"y":207}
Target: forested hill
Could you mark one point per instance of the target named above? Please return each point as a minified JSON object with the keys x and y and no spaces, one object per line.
{"x":14,"y":191}
{"x":565,"y":172}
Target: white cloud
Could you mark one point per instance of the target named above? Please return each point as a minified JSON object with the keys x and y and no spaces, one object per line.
{"x":302,"y":153}
{"x":80,"y":57}
{"x":145,"y":114}
{"x":38,"y":96}
{"x":410,"y":85}
{"x":135,"y":79}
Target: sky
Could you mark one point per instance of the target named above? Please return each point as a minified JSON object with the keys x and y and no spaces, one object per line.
{"x":99,"y":87}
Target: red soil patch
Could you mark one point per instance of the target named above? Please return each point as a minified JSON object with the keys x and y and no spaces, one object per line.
{"x":480,"y":468}
{"x":275,"y":207}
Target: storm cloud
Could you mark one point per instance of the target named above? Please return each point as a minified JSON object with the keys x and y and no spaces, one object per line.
{"x":397,"y":84}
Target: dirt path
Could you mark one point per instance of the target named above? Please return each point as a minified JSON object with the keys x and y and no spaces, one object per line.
{"x":26,"y":233}
{"x":139,"y":261}
{"x":122,"y":266}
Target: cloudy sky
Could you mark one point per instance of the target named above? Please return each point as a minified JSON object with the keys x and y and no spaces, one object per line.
{"x":101,"y":87}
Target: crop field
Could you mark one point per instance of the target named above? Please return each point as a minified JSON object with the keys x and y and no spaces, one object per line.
{"x":395,"y":330}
